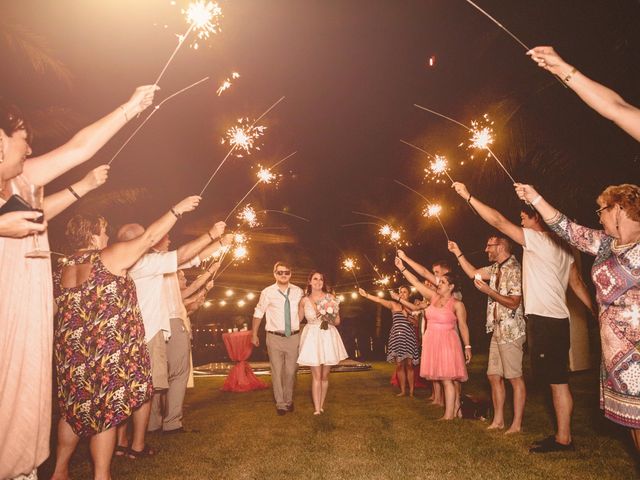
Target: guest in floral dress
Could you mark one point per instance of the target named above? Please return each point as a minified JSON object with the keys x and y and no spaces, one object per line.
{"x":101,"y":358}
{"x":616,"y":275}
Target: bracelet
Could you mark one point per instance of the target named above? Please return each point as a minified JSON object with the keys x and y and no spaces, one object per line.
{"x":469,"y":199}
{"x":221,"y":244}
{"x":536,"y":200}
{"x":461,"y":255}
{"x":177,"y":215}
{"x":467,"y":347}
{"x":402,"y":270}
{"x":73,"y":192}
{"x":121,"y":107}
{"x":570,"y":74}
{"x":210,"y":236}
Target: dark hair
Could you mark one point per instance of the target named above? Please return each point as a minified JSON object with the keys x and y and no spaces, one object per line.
{"x":443,"y":264}
{"x":531,"y":212}
{"x":80,"y":229}
{"x":453,"y":279}
{"x":503,"y":239}
{"x":325,"y":287}
{"x":405,"y":287}
{"x":12,"y":120}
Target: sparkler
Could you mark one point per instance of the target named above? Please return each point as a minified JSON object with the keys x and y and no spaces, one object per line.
{"x":282,"y":212}
{"x":438,"y":165}
{"x":480,"y":137}
{"x":350,"y":265}
{"x":265,"y":176}
{"x":234,"y":145}
{"x":153,"y":111}
{"x":226,"y":84}
{"x":202,"y":18}
{"x":386,"y":231}
{"x":433,"y":210}
{"x":249,"y":216}
{"x":243,"y":136}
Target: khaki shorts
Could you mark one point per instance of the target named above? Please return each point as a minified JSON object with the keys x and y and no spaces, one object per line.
{"x":159,"y":364}
{"x":505,"y":359}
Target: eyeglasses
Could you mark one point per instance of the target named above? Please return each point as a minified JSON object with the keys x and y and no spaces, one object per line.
{"x":602,"y":209}
{"x":283,"y":272}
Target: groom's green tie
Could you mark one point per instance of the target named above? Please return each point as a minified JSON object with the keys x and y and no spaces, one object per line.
{"x":287,"y":313}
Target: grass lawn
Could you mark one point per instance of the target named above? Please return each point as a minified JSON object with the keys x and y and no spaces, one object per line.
{"x":367,"y":432}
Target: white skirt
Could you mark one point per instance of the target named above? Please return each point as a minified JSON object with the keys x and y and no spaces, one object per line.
{"x":320,"y":347}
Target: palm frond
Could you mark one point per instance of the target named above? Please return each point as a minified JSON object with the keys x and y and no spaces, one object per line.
{"x":34,"y":47}
{"x":54,"y":122}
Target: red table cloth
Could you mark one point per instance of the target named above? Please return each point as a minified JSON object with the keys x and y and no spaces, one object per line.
{"x":241,"y":377}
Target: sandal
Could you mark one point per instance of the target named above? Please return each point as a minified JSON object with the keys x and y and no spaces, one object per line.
{"x":147,"y":451}
{"x":120,"y":451}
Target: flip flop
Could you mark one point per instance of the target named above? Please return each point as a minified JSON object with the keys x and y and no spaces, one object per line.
{"x":120,"y":451}
{"x":147,"y":451}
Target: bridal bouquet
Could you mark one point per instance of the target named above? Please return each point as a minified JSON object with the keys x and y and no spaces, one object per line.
{"x":327,"y":308}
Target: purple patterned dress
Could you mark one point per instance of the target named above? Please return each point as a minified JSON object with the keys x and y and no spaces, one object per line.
{"x":616,"y":275}
{"x":102,"y":361}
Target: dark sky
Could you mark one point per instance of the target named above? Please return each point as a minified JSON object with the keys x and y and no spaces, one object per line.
{"x":351,"y":71}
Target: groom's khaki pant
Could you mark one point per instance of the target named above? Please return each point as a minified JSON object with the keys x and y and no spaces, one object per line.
{"x":283,"y":356}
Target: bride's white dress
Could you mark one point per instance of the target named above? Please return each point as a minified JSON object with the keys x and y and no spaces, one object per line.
{"x":319,"y":347}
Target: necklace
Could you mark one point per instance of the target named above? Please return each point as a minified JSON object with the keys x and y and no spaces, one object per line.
{"x":619,"y":248}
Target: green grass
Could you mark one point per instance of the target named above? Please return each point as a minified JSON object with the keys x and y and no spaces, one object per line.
{"x":367,"y":432}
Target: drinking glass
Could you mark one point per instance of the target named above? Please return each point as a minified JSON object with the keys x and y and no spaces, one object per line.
{"x":35,"y":197}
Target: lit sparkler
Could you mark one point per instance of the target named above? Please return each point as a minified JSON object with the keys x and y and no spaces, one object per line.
{"x":249,"y":216}
{"x":438,"y":166}
{"x":237,"y":141}
{"x":481,"y":137}
{"x":240,"y":252}
{"x":385,"y":230}
{"x":434,"y":210}
{"x":350,"y":265}
{"x":243,"y":136}
{"x":383,"y":281}
{"x":226,"y":84}
{"x":202,"y":18}
{"x":264,"y":176}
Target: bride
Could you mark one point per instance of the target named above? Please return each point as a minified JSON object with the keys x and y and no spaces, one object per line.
{"x":320,"y":343}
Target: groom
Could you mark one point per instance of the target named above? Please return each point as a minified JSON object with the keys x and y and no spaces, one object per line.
{"x":280,"y":304}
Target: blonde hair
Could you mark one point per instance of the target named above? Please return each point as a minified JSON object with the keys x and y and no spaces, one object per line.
{"x":626,"y":195}
{"x":81,"y":228}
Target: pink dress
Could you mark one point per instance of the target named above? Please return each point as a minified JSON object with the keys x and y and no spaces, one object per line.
{"x":26,"y":344}
{"x":442,"y":356}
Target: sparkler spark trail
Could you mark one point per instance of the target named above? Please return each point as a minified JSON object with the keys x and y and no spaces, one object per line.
{"x":438,"y":167}
{"x":153,"y":111}
{"x":282,"y":212}
{"x":244,"y":136}
{"x":480,"y":138}
{"x":433,"y":210}
{"x":202,"y":18}
{"x":249,"y":216}
{"x":234,"y":146}
{"x":349,"y":264}
{"x":227,"y":83}
{"x":264,"y":176}
{"x":240,"y":252}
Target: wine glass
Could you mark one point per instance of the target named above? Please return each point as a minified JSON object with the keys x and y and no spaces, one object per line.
{"x":35,"y":198}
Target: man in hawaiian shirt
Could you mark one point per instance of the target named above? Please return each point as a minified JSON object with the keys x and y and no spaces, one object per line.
{"x":505,"y":319}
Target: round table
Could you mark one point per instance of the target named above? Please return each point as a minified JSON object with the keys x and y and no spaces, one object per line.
{"x":241,"y":377}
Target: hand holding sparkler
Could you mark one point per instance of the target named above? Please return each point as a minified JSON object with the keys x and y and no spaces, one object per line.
{"x":453,"y":248}
{"x":186,"y":205}
{"x":399,"y":264}
{"x":362,"y":292}
{"x":530,"y":196}
{"x":141,"y":99}
{"x":217,"y":230}
{"x":526,"y":193}
{"x":548,"y":58}
{"x":461,"y":189}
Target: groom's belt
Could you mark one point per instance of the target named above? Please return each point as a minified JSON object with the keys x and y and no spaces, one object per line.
{"x":281,"y":334}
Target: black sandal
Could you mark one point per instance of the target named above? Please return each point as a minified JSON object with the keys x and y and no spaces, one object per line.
{"x":120,"y":451}
{"x":147,"y":451}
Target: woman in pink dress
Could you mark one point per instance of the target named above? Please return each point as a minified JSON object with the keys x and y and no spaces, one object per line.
{"x":443,"y":358}
{"x":26,"y":301}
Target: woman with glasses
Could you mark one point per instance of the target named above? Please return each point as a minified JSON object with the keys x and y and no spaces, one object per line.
{"x":616,"y":276}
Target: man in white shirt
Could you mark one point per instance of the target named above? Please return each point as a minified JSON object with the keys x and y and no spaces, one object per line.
{"x":279,"y":302}
{"x":148,"y":275}
{"x":547,"y":268}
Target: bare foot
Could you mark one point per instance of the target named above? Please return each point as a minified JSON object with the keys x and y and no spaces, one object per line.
{"x":444,"y":417}
{"x":401,"y":394}
{"x":316,"y":413}
{"x":495,"y":426}
{"x":512,"y":430}
{"x":411,"y":394}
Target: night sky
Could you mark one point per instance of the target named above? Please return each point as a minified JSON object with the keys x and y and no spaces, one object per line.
{"x":351,"y":71}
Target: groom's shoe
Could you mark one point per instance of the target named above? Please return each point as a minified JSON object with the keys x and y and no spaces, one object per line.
{"x":290,"y":408}
{"x":281,"y":411}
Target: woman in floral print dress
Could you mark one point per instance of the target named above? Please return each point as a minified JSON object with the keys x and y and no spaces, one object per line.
{"x":102,"y":362}
{"x":616,"y":275}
